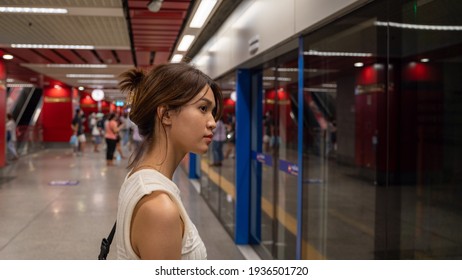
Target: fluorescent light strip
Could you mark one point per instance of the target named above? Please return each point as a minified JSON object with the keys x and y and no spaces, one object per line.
{"x":19,"y":85}
{"x":313,"y":52}
{"x":202,"y":13}
{"x":45,"y":46}
{"x":281,"y":79}
{"x":98,"y":81}
{"x":33,"y":10}
{"x":77,"y":65}
{"x":420,"y":26}
{"x":89,"y":76}
{"x":186,"y":42}
{"x":176,"y":58}
{"x":286,"y":69}
{"x":320,"y":89}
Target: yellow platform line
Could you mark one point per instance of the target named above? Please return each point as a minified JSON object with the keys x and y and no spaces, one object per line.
{"x":287,"y":220}
{"x":223,"y":183}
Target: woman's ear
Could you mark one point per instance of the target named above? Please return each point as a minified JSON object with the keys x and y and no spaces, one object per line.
{"x":163,"y":114}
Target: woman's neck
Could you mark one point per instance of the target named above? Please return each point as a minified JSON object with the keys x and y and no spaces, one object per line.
{"x":161,"y":159}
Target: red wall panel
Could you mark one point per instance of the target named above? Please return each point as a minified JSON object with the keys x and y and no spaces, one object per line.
{"x":56,"y":113}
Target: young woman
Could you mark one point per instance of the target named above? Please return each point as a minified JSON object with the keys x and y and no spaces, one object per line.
{"x":111,"y":129}
{"x":175,"y":107}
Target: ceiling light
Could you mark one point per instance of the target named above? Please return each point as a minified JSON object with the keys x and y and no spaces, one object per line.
{"x":202,"y":13}
{"x":176,"y":58}
{"x":19,"y":85}
{"x":313,"y":52}
{"x":89,"y":76}
{"x":281,"y":79}
{"x":77,"y":65}
{"x":45,"y":46}
{"x":7,"y":56}
{"x":33,"y":10}
{"x":97,"y":81}
{"x":424,"y":60}
{"x":359,"y":64}
{"x":186,"y":42}
{"x":154,"y":5}
{"x":81,"y":88}
{"x":420,"y":26}
{"x":320,"y":89}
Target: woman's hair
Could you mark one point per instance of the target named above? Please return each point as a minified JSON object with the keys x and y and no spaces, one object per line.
{"x":170,"y":85}
{"x":110,"y":116}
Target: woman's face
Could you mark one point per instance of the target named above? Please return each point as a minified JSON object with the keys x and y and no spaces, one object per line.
{"x":192,"y":126}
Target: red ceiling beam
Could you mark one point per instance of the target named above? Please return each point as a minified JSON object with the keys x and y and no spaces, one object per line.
{"x":70,"y":56}
{"x":88,"y":56}
{"x":160,"y":15}
{"x":175,"y":22}
{"x":155,"y":27}
{"x":154,"y":32}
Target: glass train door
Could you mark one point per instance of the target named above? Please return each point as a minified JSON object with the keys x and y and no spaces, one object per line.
{"x":274,"y":158}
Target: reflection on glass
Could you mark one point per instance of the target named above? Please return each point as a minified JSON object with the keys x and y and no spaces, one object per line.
{"x":218,"y":176}
{"x":279,"y":149}
{"x":381,"y":144}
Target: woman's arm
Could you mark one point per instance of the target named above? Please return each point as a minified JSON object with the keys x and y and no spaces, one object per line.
{"x":156,"y":228}
{"x":114,"y":127}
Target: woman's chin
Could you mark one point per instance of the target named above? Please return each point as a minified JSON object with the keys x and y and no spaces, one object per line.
{"x":200,"y":151}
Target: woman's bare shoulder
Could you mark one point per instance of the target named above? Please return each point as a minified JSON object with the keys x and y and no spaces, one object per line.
{"x":156,"y":229}
{"x":157,"y":207}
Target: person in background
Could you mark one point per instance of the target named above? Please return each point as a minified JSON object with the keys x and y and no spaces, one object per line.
{"x":136,"y":137}
{"x":230,"y":137}
{"x":96,"y":130}
{"x":79,"y":130}
{"x":121,"y":124}
{"x":268,"y":124}
{"x":175,"y":107}
{"x":111,"y":131}
{"x":11,"y":136}
{"x":219,"y":138}
{"x":125,"y":129}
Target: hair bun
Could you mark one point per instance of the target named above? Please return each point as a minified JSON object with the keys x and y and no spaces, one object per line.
{"x":130,"y":82}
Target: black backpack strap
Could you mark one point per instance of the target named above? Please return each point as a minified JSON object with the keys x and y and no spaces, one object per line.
{"x":106,"y":244}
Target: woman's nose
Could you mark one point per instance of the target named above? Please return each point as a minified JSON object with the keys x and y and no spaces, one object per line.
{"x":212,"y":124}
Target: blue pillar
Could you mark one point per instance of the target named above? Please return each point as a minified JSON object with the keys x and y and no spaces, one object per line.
{"x":243,"y":156}
{"x":193,"y":166}
{"x":301,"y":66}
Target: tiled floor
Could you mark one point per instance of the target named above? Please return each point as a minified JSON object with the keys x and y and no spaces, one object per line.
{"x":39,"y":220}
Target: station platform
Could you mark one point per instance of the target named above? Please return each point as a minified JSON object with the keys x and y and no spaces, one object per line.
{"x":55,"y":205}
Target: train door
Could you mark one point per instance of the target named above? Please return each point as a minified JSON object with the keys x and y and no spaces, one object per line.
{"x":274,"y":158}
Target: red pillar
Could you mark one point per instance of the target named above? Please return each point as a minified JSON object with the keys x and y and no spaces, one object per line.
{"x":56,"y":112}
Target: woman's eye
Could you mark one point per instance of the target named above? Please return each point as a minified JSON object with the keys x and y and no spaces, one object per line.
{"x":203,"y":108}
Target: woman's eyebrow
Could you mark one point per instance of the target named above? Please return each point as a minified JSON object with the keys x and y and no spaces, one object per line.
{"x":208,"y":101}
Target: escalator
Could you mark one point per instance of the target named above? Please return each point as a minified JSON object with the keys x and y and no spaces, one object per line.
{"x":319,"y":111}
{"x":26,"y":105}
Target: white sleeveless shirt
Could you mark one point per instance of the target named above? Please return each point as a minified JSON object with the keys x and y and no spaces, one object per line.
{"x":139,"y":184}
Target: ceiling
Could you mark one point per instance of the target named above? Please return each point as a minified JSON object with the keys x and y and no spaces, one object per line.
{"x":142,"y":39}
